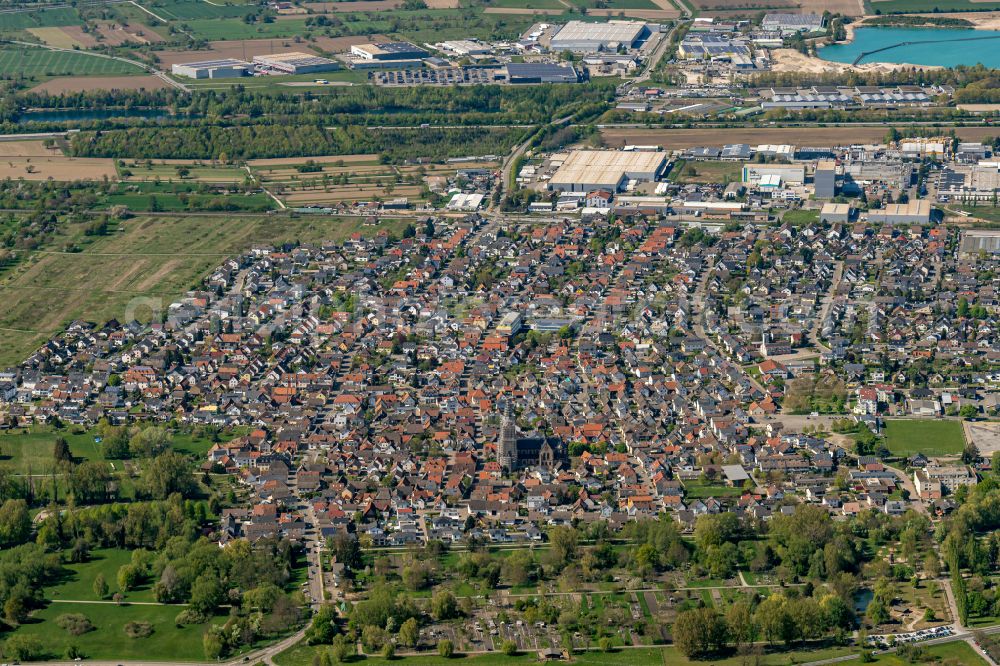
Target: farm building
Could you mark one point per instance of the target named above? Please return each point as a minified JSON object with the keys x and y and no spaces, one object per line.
{"x":914,"y":212}
{"x":540,"y":72}
{"x":388,"y":51}
{"x":294,"y":62}
{"x":587,"y":170}
{"x":580,"y":36}
{"x":226,"y":68}
{"x":791,"y":23}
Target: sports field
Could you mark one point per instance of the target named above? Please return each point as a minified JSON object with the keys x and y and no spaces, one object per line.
{"x":41,"y":62}
{"x":906,"y":437}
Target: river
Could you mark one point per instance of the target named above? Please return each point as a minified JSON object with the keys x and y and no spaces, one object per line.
{"x":928,"y":46}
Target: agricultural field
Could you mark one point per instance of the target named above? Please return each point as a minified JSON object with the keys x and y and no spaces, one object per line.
{"x":336,"y":179}
{"x":197,"y":9}
{"x":906,"y":437}
{"x":750,"y":7}
{"x":38,"y":18}
{"x":180,"y":171}
{"x":919,"y":6}
{"x":247,"y":49}
{"x":146,"y":264}
{"x":56,"y":167}
{"x":69,"y":84}
{"x":41,"y":62}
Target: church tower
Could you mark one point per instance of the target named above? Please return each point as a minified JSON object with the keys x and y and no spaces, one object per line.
{"x":507,"y":444}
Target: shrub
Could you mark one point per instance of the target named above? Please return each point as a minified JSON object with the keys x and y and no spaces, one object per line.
{"x":446,"y":648}
{"x":75,"y":623}
{"x":189,"y":616}
{"x":23,"y":648}
{"x":139,"y":629}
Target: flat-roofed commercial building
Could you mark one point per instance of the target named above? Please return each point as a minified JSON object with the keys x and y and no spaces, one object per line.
{"x":975,"y":241}
{"x":835,"y":212}
{"x":539,"y":72}
{"x":224,"y":68}
{"x":914,"y":212}
{"x":825,"y":179}
{"x":584,"y":37}
{"x":388,"y":51}
{"x":295,"y":62}
{"x":789,"y":23}
{"x":754,"y":174}
{"x":587,"y":170}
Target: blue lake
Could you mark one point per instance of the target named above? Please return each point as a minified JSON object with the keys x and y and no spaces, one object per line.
{"x":927,"y":46}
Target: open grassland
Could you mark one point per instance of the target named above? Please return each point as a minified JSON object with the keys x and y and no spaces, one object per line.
{"x":108,"y":640}
{"x":906,"y":437}
{"x":672,"y":139}
{"x":33,"y":61}
{"x":148,"y":263}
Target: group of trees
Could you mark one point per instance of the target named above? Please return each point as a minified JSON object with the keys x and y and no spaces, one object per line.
{"x":780,"y":617}
{"x":292,"y":139}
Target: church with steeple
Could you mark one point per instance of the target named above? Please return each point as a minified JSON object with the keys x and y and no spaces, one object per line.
{"x":516,"y":453}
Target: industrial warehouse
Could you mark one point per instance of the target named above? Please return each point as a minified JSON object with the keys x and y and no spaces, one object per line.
{"x":586,"y":170}
{"x":225,"y":68}
{"x":587,"y":37}
{"x":295,"y":62}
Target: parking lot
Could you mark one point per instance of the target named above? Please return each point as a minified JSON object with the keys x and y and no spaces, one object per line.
{"x":448,"y":76}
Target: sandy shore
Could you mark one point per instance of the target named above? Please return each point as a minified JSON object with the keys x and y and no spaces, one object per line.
{"x":790,"y":60}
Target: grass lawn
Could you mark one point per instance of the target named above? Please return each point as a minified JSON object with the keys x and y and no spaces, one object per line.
{"x":956,"y":653}
{"x":79,"y":586}
{"x":931,"y":437}
{"x":147,"y":263}
{"x":702,"y":489}
{"x":24,"y":450}
{"x":108,"y":641}
{"x":799,"y":216}
{"x":301,"y":655}
{"x":705,"y":172}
